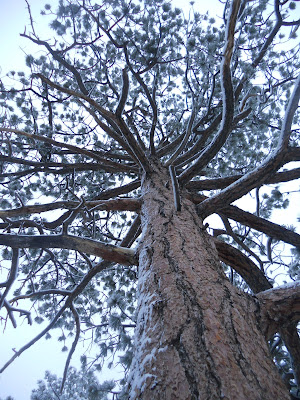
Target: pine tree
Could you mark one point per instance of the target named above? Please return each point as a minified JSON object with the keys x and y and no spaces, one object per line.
{"x":134,"y":125}
{"x":79,"y":385}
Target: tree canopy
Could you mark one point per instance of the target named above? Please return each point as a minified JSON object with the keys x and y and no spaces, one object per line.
{"x":122,"y":83}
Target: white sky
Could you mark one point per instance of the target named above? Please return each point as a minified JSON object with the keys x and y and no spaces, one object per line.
{"x":21,"y":377}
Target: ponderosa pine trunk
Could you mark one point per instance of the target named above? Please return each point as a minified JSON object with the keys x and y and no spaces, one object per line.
{"x":197,"y":336}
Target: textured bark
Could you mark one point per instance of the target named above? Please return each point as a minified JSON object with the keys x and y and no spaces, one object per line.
{"x":197,"y":336}
{"x":279,"y":306}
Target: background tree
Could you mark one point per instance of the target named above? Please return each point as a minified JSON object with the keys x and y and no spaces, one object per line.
{"x":134,"y":125}
{"x":79,"y":385}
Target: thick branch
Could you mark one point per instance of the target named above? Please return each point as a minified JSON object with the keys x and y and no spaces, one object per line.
{"x":184,"y":141}
{"x":110,"y":132}
{"x":260,"y":224}
{"x":193,"y":153}
{"x":293,"y":154}
{"x":108,"y":194}
{"x":108,"y":252}
{"x":13,"y":273}
{"x":243,"y":265}
{"x":124,"y":94}
{"x":149,"y":97}
{"x":279,"y":306}
{"x":255,"y":178}
{"x":175,"y":187}
{"x":291,"y":340}
{"x":228,"y":101}
{"x":124,"y":204}
{"x":65,"y":167}
{"x":221,"y":183}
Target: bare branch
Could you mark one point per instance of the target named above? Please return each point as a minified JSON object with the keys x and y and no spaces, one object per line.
{"x":129,"y":187}
{"x":13,"y":273}
{"x":52,"y":167}
{"x":193,"y":153}
{"x":59,"y":292}
{"x":108,"y":115}
{"x":133,"y":233}
{"x":122,"y":204}
{"x":183,"y":143}
{"x":74,"y":344}
{"x":55,"y":54}
{"x":229,"y":231}
{"x":78,"y":289}
{"x":10,"y":310}
{"x":35,"y":339}
{"x":262,"y":225}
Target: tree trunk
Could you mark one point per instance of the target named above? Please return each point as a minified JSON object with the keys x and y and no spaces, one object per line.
{"x":197,"y":336}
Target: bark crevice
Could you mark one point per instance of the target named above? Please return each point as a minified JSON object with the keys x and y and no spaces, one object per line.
{"x":194,"y":329}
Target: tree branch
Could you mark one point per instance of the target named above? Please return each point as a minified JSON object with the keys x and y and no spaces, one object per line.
{"x":74,"y":344}
{"x":113,"y":166}
{"x":279,"y":307}
{"x":62,"y":61}
{"x":13,"y":273}
{"x":291,"y":339}
{"x":243,"y":265}
{"x":260,"y":224}
{"x":123,"y":204}
{"x":107,"y":251}
{"x":65,"y":167}
{"x":255,"y":178}
{"x":228,"y":101}
{"x":129,"y":187}
{"x":221,"y":183}
{"x":124,"y":94}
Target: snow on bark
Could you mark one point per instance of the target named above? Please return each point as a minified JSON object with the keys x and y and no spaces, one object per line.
{"x":197,"y":337}
{"x":279,"y":306}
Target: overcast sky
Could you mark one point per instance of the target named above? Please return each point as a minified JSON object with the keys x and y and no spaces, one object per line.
{"x":21,"y":377}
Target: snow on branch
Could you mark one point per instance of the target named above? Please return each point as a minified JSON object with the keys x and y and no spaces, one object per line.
{"x":264,"y":171}
{"x":111,"y":165}
{"x":279,"y":306}
{"x":221,"y":183}
{"x":228,"y":101}
{"x":71,"y":296}
{"x":12,"y":275}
